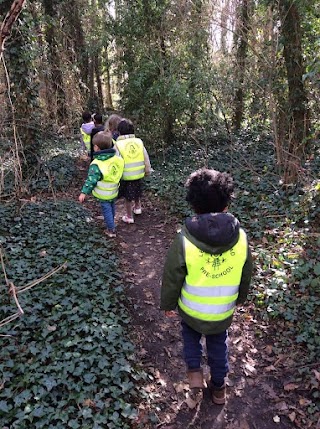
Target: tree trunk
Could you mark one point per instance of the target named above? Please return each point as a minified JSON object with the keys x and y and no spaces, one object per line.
{"x":242,"y":48}
{"x":297,"y":99}
{"x":75,"y":29}
{"x":225,"y":11}
{"x":23,"y":100}
{"x":108,"y":82}
{"x":97,"y":69}
{"x":54,"y":59}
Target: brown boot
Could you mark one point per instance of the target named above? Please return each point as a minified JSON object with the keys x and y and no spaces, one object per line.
{"x":219,"y":395}
{"x":195,"y":377}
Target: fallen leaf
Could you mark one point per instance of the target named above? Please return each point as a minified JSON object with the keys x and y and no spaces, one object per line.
{"x":317,"y":374}
{"x":89,"y":403}
{"x":292,"y":416}
{"x":282,"y":406}
{"x":168,"y":352}
{"x":269,"y":349}
{"x":290,"y":386}
{"x":191,"y":403}
{"x":270,"y":368}
{"x":180,"y":387}
{"x":51,"y":328}
{"x":243,"y":424}
{"x":124,"y":245}
{"x":304,"y":402}
{"x":249,"y":370}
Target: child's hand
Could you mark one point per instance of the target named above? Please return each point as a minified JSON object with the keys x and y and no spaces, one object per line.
{"x":82,"y":197}
{"x":170,"y":313}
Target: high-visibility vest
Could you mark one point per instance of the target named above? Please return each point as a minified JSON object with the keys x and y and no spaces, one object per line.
{"x":86,"y":139}
{"x":111,"y":170}
{"x":211,"y":287}
{"x":131,"y":150}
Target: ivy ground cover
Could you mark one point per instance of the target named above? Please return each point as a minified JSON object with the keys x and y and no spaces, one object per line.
{"x":283,"y":228}
{"x":67,"y":363}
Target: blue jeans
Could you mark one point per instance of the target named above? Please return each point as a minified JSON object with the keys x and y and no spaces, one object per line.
{"x":108,"y":211}
{"x":217,"y":350}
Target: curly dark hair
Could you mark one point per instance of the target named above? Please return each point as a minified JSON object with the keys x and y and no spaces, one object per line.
{"x":209,"y":191}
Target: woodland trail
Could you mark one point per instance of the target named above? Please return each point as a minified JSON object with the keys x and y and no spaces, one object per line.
{"x":255,"y":395}
{"x":256,"y":399}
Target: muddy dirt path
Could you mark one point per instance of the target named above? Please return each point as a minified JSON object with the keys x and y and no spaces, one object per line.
{"x":256,"y":398}
{"x":255,"y":395}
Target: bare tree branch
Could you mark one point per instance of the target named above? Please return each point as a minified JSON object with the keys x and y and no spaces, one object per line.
{"x":8,"y":22}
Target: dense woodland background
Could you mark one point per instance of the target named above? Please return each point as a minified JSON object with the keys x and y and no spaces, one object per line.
{"x":177,"y":68}
{"x":229,"y":84}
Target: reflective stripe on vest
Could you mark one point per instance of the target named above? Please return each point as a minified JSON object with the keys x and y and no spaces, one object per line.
{"x":111,"y":170}
{"x":211,"y":286}
{"x":86,"y":139}
{"x":131,"y":150}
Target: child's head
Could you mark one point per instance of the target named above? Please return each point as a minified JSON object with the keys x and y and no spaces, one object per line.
{"x":125,"y":127}
{"x":102,"y":140}
{"x":97,"y":119}
{"x":86,"y":116}
{"x":209,"y":191}
{"x":113,"y":122}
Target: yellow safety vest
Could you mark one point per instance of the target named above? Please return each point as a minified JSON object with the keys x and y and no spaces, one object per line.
{"x":211,"y":286}
{"x":131,"y":150}
{"x":86,"y":139}
{"x":111,"y":170}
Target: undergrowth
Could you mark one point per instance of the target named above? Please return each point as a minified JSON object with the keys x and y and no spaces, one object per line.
{"x":67,"y":363}
{"x":283,"y":228}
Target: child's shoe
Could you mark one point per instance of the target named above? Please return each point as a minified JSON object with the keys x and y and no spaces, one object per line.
{"x":137,"y":211}
{"x":219,"y":394}
{"x":110,"y":234}
{"x":195,"y":377}
{"x":127,"y":219}
{"x":196,"y":384}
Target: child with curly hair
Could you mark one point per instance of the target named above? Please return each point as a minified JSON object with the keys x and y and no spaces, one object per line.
{"x":206,"y":275}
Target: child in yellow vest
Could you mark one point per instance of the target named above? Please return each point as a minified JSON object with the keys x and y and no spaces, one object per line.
{"x":136,"y":166}
{"x":85,"y":131}
{"x":112,"y":125}
{"x":103,"y":179}
{"x":206,"y":274}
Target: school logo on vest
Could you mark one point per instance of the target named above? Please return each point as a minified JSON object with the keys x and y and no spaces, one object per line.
{"x":114,"y":170}
{"x":132,"y":150}
{"x":215,"y":265}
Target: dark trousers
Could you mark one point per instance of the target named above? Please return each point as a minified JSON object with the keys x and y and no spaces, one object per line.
{"x":217,"y":350}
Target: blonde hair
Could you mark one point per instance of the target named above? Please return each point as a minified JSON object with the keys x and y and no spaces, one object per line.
{"x":103,"y":140}
{"x":113,"y":122}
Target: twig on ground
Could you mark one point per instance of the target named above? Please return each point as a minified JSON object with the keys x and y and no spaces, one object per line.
{"x":13,"y":290}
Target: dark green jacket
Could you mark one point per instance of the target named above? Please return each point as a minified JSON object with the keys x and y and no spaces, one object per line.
{"x":94,"y":173}
{"x":214,"y":233}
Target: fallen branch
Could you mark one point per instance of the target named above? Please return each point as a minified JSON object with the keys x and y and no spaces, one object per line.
{"x":13,"y":290}
{"x":9,"y":319}
{"x":45,"y":277}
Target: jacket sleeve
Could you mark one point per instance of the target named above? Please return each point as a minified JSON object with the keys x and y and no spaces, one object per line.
{"x":147,"y":164}
{"x":174,"y":274}
{"x":94,"y":175}
{"x":245,"y":279}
